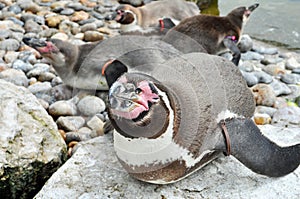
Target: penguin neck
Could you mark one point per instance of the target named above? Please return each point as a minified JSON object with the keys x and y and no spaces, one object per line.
{"x":237,"y":21}
{"x":152,"y":124}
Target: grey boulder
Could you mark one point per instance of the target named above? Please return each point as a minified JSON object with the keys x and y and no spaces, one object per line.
{"x":31,"y":149}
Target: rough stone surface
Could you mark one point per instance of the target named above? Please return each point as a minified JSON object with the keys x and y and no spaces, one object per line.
{"x":31,"y":149}
{"x":94,"y":172}
{"x":287,"y":115}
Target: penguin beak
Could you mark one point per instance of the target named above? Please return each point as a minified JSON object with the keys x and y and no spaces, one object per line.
{"x":253,"y":7}
{"x":34,"y":43}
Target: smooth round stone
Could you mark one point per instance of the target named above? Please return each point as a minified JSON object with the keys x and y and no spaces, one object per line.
{"x":271,"y":60}
{"x":96,"y":124}
{"x":86,"y":133}
{"x":264,"y":95}
{"x":14,"y":76}
{"x":5,"y":34}
{"x":69,"y":27}
{"x":44,"y":103}
{"x":32,"y":26}
{"x":133,"y":2}
{"x":40,"y":88}
{"x":60,"y":36}
{"x":47,"y":76}
{"x":67,"y":11}
{"x":53,"y":21}
{"x":263,"y":77}
{"x":91,"y":105}
{"x":63,"y":108}
{"x":250,"y":78}
{"x":72,"y":136}
{"x":10,"y":56}
{"x":79,"y":16}
{"x":15,"y":9}
{"x":86,"y":21}
{"x":265,"y":110}
{"x":287,"y":115}
{"x":251,"y":56}
{"x":264,"y":50}
{"x":97,"y":15}
{"x":274,"y":70}
{"x":17,"y":36}
{"x":245,"y":43}
{"x":92,"y":36}
{"x":16,"y":21}
{"x":99,"y":23}
{"x":296,"y":70}
{"x":262,"y":118}
{"x":295,"y":92}
{"x":48,"y":32}
{"x":101,"y":9}
{"x":247,"y":66}
{"x":78,"y":7}
{"x":280,"y":88}
{"x":292,"y":64}
{"x":89,"y":26}
{"x":70,"y":123}
{"x":38,"y":69}
{"x":21,"y":65}
{"x":290,"y":78}
{"x":9,"y":45}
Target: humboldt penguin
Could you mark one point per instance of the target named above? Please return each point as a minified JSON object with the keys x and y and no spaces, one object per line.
{"x":216,"y":34}
{"x":171,"y":119}
{"x":81,"y":66}
{"x":144,"y":18}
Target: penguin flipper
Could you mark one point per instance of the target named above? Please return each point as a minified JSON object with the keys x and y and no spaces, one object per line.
{"x":231,"y":44}
{"x":257,"y":152}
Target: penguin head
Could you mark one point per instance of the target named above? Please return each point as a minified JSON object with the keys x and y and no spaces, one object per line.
{"x":56,"y":51}
{"x":125,"y":15}
{"x":136,"y":108}
{"x":242,"y":13}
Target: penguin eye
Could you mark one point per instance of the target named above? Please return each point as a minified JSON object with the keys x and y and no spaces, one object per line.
{"x":138,"y":91}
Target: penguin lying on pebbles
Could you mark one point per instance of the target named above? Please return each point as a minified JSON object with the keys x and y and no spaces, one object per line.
{"x":215,"y":33}
{"x":171,"y":119}
{"x":81,"y":66}
{"x":143,"y":18}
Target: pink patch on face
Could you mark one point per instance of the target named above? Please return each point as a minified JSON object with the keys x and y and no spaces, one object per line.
{"x":147,"y":94}
{"x":48,"y":49}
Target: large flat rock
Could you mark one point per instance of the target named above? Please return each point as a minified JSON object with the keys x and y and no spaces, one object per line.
{"x":94,"y":172}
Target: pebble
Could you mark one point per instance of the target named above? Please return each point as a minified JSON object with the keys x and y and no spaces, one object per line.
{"x":88,"y":26}
{"x":46,"y":76}
{"x":247,"y":66}
{"x":265,"y":110}
{"x":91,"y":105}
{"x":14,"y":76}
{"x":290,"y":78}
{"x":61,"y":36}
{"x":245,"y":43}
{"x":79,"y":16}
{"x":250,"y":78}
{"x":264,"y":95}
{"x":70,"y":123}
{"x":287,"y":115}
{"x":264,"y":50}
{"x":262,"y":119}
{"x":53,"y":21}
{"x":38,"y":69}
{"x":274,"y":69}
{"x":62,"y":108}
{"x":271,"y":60}
{"x":250,"y":55}
{"x":96,"y":124}
{"x":92,"y":36}
{"x":292,"y":64}
{"x":86,"y":133}
{"x":21,"y":65}
{"x":263,"y":77}
{"x":280,"y":88}
{"x":40,"y":88}
{"x":67,"y":11}
{"x":10,"y":56}
{"x":32,"y":26}
{"x":9,"y":45}
{"x":296,"y":70}
{"x":61,"y":92}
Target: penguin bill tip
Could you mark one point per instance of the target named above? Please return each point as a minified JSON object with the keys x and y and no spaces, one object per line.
{"x":253,"y":7}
